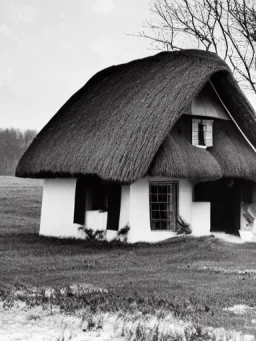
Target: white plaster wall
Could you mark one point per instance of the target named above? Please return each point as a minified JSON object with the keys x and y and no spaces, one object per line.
{"x":140,"y":229}
{"x":57,"y":212}
{"x":207,"y":104}
{"x":111,"y":234}
{"x":201,"y":218}
{"x":96,"y":220}
{"x":58,"y":204}
{"x":185,"y":198}
{"x":124,"y":218}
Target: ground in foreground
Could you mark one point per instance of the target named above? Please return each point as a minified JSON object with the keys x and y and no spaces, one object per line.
{"x":193,"y":279}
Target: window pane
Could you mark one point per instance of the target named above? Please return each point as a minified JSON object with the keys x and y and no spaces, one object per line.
{"x":202,"y":134}
{"x":163,"y":206}
{"x":162,"y":198}
{"x":164,"y":225}
{"x":154,"y":214}
{"x":154,"y":207}
{"x":163,"y":214}
{"x":163,"y":189}
{"x":153,"y":189}
{"x":153,"y":198}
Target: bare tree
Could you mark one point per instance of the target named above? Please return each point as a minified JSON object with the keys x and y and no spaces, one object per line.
{"x":226,"y":27}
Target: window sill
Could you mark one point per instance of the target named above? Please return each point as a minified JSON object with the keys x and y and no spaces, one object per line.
{"x":203,"y":147}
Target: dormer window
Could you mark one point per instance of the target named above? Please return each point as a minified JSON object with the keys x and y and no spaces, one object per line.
{"x":202,"y":132}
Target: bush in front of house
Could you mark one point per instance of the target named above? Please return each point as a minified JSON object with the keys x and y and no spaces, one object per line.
{"x":182,"y":226}
{"x":91,"y":234}
{"x":100,"y":235}
{"x":122,"y":234}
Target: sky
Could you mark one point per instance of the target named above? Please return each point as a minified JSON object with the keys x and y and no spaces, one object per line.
{"x":50,"y":48}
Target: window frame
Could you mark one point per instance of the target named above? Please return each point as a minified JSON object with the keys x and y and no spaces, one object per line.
{"x":207,"y":122}
{"x":164,"y":183}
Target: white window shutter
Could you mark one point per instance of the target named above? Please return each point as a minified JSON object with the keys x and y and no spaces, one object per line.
{"x":208,"y":133}
{"x":195,"y":140}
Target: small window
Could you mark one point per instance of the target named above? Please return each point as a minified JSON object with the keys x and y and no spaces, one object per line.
{"x":89,"y":197}
{"x":163,"y":206}
{"x":96,"y":197}
{"x":202,"y":135}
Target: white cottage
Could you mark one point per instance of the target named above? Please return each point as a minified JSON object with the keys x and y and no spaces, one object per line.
{"x":145,"y":142}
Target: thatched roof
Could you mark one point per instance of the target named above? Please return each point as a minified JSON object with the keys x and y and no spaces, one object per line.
{"x":234,"y":155}
{"x":114,"y":125}
{"x":178,"y":158}
{"x":230,"y":157}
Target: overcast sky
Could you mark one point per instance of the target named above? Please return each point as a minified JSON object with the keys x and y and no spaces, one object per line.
{"x":50,"y":48}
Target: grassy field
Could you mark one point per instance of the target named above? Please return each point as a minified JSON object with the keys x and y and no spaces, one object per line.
{"x":194,"y":278}
{"x":20,"y":205}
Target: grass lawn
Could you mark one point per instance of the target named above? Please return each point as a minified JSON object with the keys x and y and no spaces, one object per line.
{"x":193,"y":277}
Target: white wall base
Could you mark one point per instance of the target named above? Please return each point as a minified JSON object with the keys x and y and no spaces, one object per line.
{"x":59,"y":201}
{"x":96,"y":220}
{"x":124,"y":218}
{"x":201,"y":218}
{"x":57,"y":213}
{"x":110,"y":235}
{"x":58,"y":205}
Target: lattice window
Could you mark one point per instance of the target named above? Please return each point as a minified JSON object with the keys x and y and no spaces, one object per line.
{"x":202,"y":134}
{"x":163,"y":206}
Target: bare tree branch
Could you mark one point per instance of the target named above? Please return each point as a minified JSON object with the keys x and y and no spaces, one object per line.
{"x":226,"y":27}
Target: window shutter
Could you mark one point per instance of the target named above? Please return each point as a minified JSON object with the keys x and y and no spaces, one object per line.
{"x":79,"y":212}
{"x":208,"y":133}
{"x":195,"y":140}
{"x":202,"y":133}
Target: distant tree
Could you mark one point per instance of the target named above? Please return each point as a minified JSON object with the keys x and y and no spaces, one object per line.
{"x":226,"y":27}
{"x":28,"y":137}
{"x":13,"y":144}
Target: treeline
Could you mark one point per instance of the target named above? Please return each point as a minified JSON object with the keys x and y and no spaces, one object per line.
{"x":13,"y":144}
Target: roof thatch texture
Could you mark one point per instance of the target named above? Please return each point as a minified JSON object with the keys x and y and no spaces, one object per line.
{"x":234,"y":155}
{"x":115,"y":124}
{"x":230,"y":157}
{"x":178,"y":158}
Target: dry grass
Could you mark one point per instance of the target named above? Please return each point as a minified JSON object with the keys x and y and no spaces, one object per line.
{"x":178,"y":276}
{"x":52,"y":324}
{"x":20,"y":205}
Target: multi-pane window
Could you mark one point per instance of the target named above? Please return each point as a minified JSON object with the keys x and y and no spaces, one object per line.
{"x":202,"y":132}
{"x":163,"y":206}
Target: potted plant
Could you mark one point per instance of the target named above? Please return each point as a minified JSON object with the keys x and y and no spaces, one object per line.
{"x":246,"y":231}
